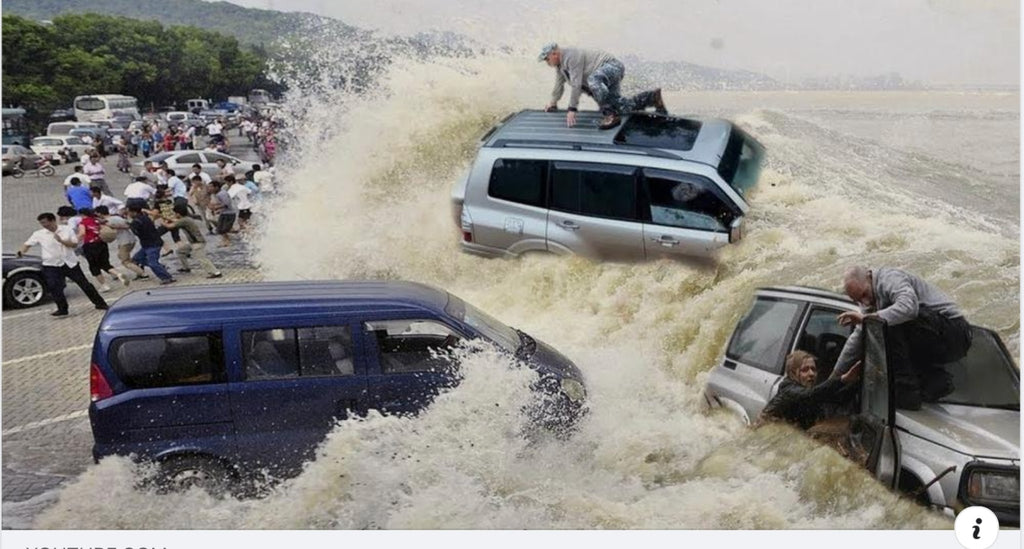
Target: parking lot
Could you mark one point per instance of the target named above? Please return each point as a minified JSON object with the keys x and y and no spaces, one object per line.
{"x":45,"y":368}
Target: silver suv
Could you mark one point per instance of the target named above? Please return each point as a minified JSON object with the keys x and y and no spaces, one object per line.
{"x":963,"y":450}
{"x":657,"y":187}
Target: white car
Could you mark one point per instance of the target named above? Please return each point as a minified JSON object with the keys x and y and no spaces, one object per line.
{"x":51,"y":145}
{"x":181,"y":162}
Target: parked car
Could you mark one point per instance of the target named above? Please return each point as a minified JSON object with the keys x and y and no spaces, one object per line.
{"x":658,"y":187}
{"x":178,"y":118}
{"x":65,"y":128}
{"x":52,"y":145}
{"x":62,"y":115}
{"x":23,"y":281}
{"x":18,"y":155}
{"x":181,"y":161}
{"x":962,"y":450}
{"x":183,"y":376}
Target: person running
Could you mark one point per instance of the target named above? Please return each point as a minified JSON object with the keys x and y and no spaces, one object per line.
{"x":78,"y":195}
{"x":100,"y":199}
{"x":240,"y":194}
{"x":193,"y":246}
{"x":223,"y":206}
{"x":96,"y":172}
{"x":149,"y":240}
{"x":57,"y":243}
{"x":125,"y":241}
{"x":599,"y":75}
{"x":199,"y":194}
{"x":75,"y":174}
{"x":95,"y":250}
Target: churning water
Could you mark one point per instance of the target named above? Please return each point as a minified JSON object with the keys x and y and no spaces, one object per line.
{"x":923,"y":181}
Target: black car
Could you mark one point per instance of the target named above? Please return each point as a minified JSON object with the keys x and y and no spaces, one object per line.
{"x":23,"y":281}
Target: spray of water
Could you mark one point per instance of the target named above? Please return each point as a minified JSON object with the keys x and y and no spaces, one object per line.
{"x":366,"y":188}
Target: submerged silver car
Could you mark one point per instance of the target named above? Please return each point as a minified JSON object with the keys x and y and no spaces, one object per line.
{"x":960,"y":451}
{"x":658,"y":186}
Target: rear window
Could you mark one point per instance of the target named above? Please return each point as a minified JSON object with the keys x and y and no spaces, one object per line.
{"x":167,"y":361}
{"x":60,"y":129}
{"x":761,"y":336}
{"x":42,"y":142}
{"x":521,"y":181}
{"x":659,"y":132}
{"x":741,"y":162}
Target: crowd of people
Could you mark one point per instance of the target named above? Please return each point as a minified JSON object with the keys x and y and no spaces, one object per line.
{"x":189,"y":207}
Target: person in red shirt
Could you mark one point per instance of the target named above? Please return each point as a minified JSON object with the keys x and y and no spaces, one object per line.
{"x":95,"y":249}
{"x":169,"y":140}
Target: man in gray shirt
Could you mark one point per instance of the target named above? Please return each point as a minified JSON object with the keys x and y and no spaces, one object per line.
{"x":599,"y":74}
{"x":926,"y":330}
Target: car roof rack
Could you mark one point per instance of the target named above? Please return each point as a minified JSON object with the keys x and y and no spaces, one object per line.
{"x":589,"y":147}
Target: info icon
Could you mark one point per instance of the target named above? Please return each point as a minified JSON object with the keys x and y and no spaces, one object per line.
{"x":976,"y":528}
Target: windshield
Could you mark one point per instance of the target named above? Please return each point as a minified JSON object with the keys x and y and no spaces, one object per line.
{"x":44,"y":142}
{"x":741,"y":162}
{"x":986,"y":376}
{"x":90,"y":104}
{"x":488,"y":326}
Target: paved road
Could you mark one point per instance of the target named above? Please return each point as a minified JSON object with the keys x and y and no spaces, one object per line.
{"x":45,"y":370}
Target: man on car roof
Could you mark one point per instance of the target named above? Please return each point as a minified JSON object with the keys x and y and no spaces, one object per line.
{"x":926,"y":330}
{"x":598,"y":74}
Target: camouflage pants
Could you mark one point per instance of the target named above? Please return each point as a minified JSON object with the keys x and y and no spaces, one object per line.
{"x":603,"y":86}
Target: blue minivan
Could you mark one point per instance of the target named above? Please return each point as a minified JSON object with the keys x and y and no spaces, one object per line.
{"x":224,"y":382}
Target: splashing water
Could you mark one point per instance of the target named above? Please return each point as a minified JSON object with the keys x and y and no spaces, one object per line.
{"x":367,"y":196}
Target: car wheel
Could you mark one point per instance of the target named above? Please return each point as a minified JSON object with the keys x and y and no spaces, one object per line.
{"x":47,"y":171}
{"x":23,"y":290}
{"x":179,"y":474}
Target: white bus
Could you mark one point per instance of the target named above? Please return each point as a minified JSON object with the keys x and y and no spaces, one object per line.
{"x":101,"y":107}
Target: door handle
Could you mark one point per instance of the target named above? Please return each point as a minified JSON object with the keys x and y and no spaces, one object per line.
{"x":729,"y":364}
{"x":569,"y":225}
{"x":666,"y":241}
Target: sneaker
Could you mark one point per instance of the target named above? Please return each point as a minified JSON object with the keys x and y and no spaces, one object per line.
{"x":105,"y":288}
{"x":59,"y":313}
{"x":659,"y":103}
{"x":184,"y":270}
{"x":610,"y":121}
{"x":142,"y":277}
{"x":102,"y":307}
{"x":168,"y":281}
{"x":166,"y":253}
{"x":124,"y":279}
{"x":215,"y":275}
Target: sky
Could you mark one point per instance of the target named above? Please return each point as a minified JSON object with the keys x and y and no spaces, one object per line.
{"x":937,"y":42}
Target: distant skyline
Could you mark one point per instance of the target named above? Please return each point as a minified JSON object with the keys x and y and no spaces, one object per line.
{"x":937,"y":42}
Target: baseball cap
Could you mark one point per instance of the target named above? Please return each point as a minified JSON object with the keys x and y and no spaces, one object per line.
{"x":548,"y":48}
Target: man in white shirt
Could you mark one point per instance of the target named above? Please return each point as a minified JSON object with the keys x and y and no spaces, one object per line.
{"x":77,"y":173}
{"x":100,"y":199}
{"x":57,"y":243}
{"x":239,"y":194}
{"x":177,"y":187}
{"x":198,"y":170}
{"x":139,"y":192}
{"x":215,"y":131}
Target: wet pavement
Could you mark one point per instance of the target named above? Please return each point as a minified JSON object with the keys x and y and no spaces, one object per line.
{"x":46,"y":440}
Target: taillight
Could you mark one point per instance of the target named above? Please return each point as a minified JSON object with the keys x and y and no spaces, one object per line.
{"x":466,"y":223}
{"x":99,"y":389}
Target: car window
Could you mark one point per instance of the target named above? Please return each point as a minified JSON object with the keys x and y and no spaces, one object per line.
{"x":297,"y":352}
{"x":74,"y":141}
{"x":192,"y":158}
{"x":986,"y":376}
{"x":686,"y":200}
{"x":823,"y":337}
{"x":600,"y":190}
{"x":761,"y":335}
{"x":213,"y":157}
{"x":522,"y":181}
{"x":412,"y":345}
{"x":165,"y":361}
{"x":43,"y":142}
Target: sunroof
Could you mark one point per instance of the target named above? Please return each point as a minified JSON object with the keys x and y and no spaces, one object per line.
{"x":659,"y":132}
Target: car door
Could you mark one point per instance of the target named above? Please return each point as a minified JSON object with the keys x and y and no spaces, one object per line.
{"x":753,"y":364}
{"x":874,"y":428}
{"x":684,"y":214}
{"x":209,"y":163}
{"x":183,"y":165}
{"x":407,"y":361}
{"x":593,"y":211}
{"x":292,"y":381}
{"x":514,"y":214}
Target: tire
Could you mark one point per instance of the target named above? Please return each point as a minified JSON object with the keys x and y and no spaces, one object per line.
{"x":17,"y":172}
{"x":179,"y":474}
{"x":47,"y":171}
{"x":25,"y":289}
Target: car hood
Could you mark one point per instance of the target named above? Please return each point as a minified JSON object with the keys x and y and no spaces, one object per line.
{"x":547,"y":360}
{"x":970,"y":430}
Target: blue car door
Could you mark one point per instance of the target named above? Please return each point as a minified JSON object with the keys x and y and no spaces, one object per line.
{"x":407,"y":361}
{"x":292,"y":381}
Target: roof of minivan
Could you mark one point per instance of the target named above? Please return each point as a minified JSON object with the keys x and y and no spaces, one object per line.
{"x":180,"y":305}
{"x":696,"y":139}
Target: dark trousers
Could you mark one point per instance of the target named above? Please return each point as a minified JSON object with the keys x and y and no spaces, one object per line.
{"x":150,"y":257}
{"x":918,"y":350}
{"x":54,"y":279}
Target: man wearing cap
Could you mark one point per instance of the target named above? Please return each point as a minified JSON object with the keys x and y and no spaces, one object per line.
{"x":598,"y":74}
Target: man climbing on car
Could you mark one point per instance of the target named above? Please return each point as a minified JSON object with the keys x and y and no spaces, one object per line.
{"x":926,"y":330}
{"x":598,"y":74}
